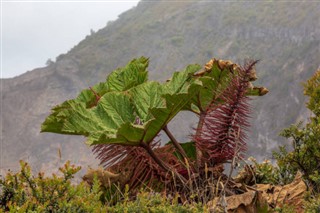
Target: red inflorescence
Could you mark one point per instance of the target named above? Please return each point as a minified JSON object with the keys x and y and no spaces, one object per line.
{"x":223,"y":133}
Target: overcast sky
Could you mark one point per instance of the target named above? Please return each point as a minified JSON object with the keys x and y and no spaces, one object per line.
{"x":34,"y":31}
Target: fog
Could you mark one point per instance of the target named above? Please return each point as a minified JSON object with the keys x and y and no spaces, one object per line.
{"x":34,"y":31}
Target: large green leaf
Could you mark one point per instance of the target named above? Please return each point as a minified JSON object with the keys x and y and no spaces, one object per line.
{"x":180,"y":81}
{"x":113,"y":111}
{"x":133,"y":74}
{"x":128,"y":110}
{"x":215,"y":78}
{"x":145,"y":97}
{"x":91,"y":96}
{"x":123,"y":116}
{"x":157,"y":104}
{"x":122,"y":79}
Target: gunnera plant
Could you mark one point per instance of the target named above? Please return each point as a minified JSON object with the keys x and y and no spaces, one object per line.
{"x":122,"y":117}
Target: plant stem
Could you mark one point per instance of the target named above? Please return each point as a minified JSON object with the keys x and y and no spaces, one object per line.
{"x":175,"y":142}
{"x":198,"y":132}
{"x":155,"y":157}
{"x":160,"y":162}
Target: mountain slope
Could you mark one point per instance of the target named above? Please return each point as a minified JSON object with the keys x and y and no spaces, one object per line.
{"x":283,"y":35}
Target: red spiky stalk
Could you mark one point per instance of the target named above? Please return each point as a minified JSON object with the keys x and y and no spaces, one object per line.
{"x":136,"y":162}
{"x":223,"y":131}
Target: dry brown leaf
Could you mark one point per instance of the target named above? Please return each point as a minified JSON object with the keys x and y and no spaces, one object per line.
{"x":247,"y":202}
{"x":291,"y":194}
{"x":245,"y":199}
{"x":246,"y":175}
{"x":222,"y":64}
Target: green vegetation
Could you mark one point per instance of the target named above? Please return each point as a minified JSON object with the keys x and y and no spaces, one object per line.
{"x":121,"y":118}
{"x":305,"y":156}
{"x":22,"y":192}
{"x":302,"y":158}
{"x":156,"y":202}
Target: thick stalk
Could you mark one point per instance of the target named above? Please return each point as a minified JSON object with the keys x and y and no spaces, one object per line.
{"x":201,"y":121}
{"x":198,"y":132}
{"x":160,"y":162}
{"x":155,"y":157}
{"x":175,"y":142}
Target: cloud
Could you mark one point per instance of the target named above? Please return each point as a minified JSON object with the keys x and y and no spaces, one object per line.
{"x":33,"y":32}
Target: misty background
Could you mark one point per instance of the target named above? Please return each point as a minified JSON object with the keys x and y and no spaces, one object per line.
{"x":33,"y":32}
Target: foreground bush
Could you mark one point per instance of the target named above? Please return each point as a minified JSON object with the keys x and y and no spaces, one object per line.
{"x":22,"y":192}
{"x":305,"y":156}
{"x":312,"y":205}
{"x":156,"y":202}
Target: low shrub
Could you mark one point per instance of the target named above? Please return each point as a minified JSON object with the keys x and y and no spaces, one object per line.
{"x":23,"y":192}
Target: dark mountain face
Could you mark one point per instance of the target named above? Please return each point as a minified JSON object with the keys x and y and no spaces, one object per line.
{"x":284,"y":36}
